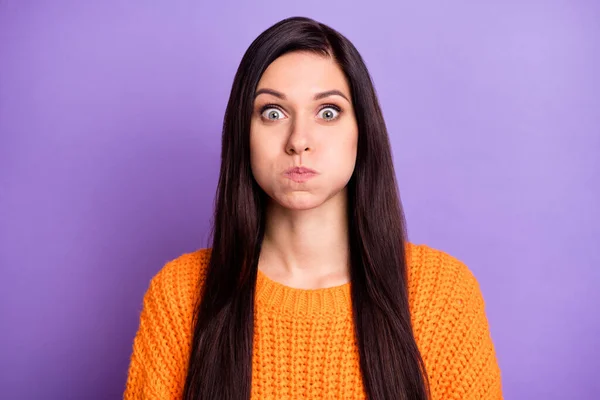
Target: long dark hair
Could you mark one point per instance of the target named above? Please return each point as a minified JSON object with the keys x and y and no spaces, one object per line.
{"x":220,"y":365}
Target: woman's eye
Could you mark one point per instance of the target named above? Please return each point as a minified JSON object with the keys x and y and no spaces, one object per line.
{"x":272,"y":114}
{"x":329,"y":113}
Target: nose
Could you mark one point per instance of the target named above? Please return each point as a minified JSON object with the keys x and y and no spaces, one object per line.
{"x":298,"y":141}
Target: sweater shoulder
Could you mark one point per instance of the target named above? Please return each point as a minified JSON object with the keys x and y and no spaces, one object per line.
{"x":161,"y":345}
{"x":178,"y":282}
{"x":451,"y":326}
{"x":428,"y":265}
{"x":185,"y":266}
{"x":438,"y":280}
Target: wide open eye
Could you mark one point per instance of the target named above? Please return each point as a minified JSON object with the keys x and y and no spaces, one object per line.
{"x":329,"y":113}
{"x":272,"y":114}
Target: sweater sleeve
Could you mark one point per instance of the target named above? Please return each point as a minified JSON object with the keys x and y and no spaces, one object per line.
{"x":471,"y":354}
{"x":453,"y":332}
{"x":158,"y":363}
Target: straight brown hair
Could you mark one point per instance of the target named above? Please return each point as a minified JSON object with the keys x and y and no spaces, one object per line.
{"x":220,"y":364}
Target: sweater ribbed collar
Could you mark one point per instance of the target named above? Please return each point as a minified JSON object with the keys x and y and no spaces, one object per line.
{"x":279,"y":298}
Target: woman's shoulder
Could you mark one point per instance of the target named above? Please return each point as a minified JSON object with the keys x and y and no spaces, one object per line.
{"x":185,"y":266}
{"x":179,"y":279}
{"x":450,"y":325}
{"x":434,"y":274}
{"x":444,"y":294}
{"x":161,"y":345}
{"x":425,"y":261}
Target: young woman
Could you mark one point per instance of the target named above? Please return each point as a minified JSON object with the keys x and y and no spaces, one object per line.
{"x":310,"y":288}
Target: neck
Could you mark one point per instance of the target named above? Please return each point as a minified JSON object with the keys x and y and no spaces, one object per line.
{"x":307,"y":248}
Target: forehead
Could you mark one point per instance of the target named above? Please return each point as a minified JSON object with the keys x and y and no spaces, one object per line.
{"x":299,"y":72}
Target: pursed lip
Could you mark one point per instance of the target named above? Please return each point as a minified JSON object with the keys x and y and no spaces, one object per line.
{"x":300,"y":170}
{"x":300,"y":174}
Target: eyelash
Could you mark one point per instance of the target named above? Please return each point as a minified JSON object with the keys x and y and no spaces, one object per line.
{"x":324,"y":106}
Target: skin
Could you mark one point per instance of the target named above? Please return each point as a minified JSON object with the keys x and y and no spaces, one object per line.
{"x":306,"y":237}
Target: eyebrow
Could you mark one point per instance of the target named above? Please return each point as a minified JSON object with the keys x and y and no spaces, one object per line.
{"x":317,"y":96}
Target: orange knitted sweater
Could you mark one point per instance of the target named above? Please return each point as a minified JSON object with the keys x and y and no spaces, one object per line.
{"x":303,"y":339}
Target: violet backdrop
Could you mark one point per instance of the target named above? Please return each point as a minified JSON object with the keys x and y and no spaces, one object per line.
{"x":110,"y":117}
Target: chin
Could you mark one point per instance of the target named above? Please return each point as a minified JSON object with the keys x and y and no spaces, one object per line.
{"x":300,"y":205}
{"x":299,"y":202}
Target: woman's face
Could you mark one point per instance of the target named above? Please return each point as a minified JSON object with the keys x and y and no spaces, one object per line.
{"x":303,"y":117}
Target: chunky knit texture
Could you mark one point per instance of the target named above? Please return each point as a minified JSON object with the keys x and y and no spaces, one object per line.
{"x":304,"y":344}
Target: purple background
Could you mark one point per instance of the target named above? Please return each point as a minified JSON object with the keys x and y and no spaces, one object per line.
{"x":110,"y":116}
